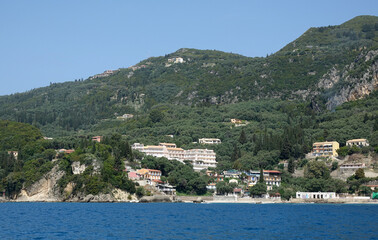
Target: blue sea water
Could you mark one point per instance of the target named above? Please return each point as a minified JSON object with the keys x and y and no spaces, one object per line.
{"x":187,"y":221}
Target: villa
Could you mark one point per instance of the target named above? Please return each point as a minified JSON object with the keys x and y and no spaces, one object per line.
{"x":357,"y":142}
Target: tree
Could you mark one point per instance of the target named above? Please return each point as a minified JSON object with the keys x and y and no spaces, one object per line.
{"x":236,"y":153}
{"x":360,"y":173}
{"x":243,"y":137}
{"x":140,"y":192}
{"x":364,"y":190}
{"x":223,"y":188}
{"x":198,"y":185}
{"x":343,"y":151}
{"x":261,"y":179}
{"x":291,"y":166}
{"x":156,"y":115}
{"x":317,"y":169}
{"x":335,"y":165}
{"x":258,"y":190}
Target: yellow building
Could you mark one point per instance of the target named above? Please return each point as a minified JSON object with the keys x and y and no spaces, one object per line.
{"x":149,"y":174}
{"x":325,"y":149}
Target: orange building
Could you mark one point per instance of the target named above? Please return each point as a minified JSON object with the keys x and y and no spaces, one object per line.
{"x":149,"y":174}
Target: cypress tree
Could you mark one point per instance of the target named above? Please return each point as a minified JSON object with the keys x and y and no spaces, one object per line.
{"x":261,"y":179}
{"x":243,"y":137}
{"x":291,"y":167}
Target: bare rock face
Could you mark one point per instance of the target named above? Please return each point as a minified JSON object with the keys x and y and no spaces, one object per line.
{"x":77,"y":168}
{"x":44,"y":190}
{"x":329,"y":79}
{"x":354,"y":87}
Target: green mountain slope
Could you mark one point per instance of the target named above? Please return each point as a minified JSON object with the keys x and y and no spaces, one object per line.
{"x":327,"y":66}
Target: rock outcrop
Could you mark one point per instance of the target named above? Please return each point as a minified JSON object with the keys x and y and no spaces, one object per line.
{"x":353,"y":82}
{"x":44,"y":190}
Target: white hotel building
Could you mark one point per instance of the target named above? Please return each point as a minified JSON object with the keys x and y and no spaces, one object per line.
{"x":200,"y":158}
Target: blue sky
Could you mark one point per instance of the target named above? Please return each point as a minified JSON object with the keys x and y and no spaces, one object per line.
{"x":57,"y":41}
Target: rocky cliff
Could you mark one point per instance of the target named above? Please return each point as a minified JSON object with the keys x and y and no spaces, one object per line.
{"x":352,"y":82}
{"x":47,"y":190}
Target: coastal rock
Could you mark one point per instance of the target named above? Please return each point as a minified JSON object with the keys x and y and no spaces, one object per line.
{"x":44,"y":190}
{"x":157,"y":198}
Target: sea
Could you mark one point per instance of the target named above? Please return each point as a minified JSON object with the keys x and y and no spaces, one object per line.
{"x":187,"y":221}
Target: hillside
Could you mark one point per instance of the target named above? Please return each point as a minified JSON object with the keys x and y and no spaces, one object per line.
{"x":325,"y":66}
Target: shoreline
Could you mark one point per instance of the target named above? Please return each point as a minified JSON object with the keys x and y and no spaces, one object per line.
{"x":249,"y":201}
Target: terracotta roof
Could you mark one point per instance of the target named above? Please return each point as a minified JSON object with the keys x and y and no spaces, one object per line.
{"x":272,"y":171}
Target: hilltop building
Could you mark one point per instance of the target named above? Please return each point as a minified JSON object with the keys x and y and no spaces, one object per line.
{"x":236,"y":121}
{"x":176,"y":60}
{"x":68,"y":151}
{"x":104,"y":74}
{"x":125,"y":116}
{"x":14,"y":154}
{"x":357,"y":142}
{"x":97,"y":138}
{"x":325,"y":149}
{"x":209,"y":140}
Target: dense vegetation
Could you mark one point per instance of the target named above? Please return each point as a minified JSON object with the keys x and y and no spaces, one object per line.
{"x":192,"y":100}
{"x":206,"y":77}
{"x":104,"y":171}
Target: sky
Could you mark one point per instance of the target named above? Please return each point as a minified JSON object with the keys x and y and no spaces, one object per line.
{"x":43,"y":42}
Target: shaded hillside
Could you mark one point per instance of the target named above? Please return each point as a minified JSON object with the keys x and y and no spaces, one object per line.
{"x":13,"y":135}
{"x":327,"y":66}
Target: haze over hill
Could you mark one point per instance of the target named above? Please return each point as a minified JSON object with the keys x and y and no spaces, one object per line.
{"x":325,"y":66}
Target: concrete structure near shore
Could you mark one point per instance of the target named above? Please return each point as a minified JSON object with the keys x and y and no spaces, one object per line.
{"x":316,"y":195}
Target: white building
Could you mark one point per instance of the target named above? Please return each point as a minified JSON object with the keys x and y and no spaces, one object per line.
{"x":316,"y":195}
{"x":357,"y":142}
{"x":201,"y":158}
{"x":125,"y":116}
{"x":209,"y":140}
{"x":176,"y":60}
{"x":352,"y":166}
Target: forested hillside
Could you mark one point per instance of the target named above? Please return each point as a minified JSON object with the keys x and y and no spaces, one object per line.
{"x":324,"y":67}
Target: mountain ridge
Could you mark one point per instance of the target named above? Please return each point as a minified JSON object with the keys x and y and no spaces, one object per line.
{"x":326,"y":66}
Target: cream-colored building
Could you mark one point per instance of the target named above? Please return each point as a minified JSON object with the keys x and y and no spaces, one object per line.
{"x":209,"y":140}
{"x":236,"y":121}
{"x":357,"y":142}
{"x":201,"y":158}
{"x":325,"y":149}
{"x":168,"y":145}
